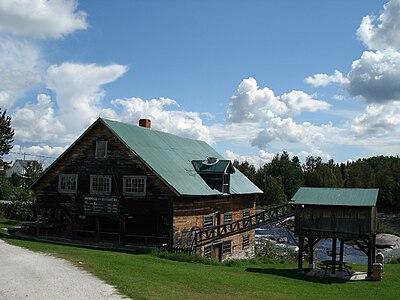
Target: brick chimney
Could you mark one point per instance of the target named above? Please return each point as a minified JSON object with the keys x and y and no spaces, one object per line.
{"x":145,"y":123}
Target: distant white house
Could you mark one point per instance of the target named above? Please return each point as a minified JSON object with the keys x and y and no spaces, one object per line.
{"x":19,"y":167}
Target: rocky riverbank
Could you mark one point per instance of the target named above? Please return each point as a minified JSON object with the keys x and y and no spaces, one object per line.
{"x":388,"y":245}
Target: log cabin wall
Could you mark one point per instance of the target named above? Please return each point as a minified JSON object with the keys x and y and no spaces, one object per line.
{"x":190,"y":213}
{"x":347,"y":222}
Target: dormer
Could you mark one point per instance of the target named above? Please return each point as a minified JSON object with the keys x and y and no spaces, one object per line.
{"x":215,"y":172}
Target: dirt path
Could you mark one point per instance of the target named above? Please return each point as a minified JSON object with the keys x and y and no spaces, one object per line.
{"x":28,"y":275}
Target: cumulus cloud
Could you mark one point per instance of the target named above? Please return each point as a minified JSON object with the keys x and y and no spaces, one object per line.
{"x":182,"y":123}
{"x":20,"y":64}
{"x":378,"y":120}
{"x":376,"y":76}
{"x":289,"y":131}
{"x":252,"y":104}
{"x":41,"y":18}
{"x":319,"y":80}
{"x":37,"y":122}
{"x":382,"y":32}
{"x":78,"y":90}
{"x":258,"y":161}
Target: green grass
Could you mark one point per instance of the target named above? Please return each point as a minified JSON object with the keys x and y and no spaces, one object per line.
{"x":146,"y":276}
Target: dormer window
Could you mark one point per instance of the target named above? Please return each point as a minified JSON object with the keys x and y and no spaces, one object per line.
{"x":225,"y":183}
{"x":215,"y":172}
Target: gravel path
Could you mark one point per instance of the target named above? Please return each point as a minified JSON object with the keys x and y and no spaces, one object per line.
{"x":28,"y":275}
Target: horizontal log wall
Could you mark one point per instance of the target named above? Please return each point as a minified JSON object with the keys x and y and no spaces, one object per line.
{"x":347,"y":222}
{"x":189,"y":215}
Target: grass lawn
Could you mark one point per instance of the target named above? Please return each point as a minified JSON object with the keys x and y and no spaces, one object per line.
{"x":145,"y":276}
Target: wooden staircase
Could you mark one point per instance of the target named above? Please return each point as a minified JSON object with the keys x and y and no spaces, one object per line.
{"x":208,"y":235}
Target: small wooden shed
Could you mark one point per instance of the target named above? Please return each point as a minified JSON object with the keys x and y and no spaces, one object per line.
{"x":336,"y":213}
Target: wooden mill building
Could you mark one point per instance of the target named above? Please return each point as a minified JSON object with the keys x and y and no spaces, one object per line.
{"x":339,"y":214}
{"x":128,"y":184}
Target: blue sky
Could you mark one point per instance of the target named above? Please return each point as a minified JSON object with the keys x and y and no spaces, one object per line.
{"x":252,"y":78}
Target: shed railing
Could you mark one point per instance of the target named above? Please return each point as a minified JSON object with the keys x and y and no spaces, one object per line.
{"x":207,"y":235}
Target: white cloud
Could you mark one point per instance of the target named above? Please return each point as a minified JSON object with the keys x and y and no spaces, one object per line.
{"x":319,"y":80}
{"x":252,"y":104}
{"x":376,"y":76}
{"x":187,"y":124}
{"x":287,"y":130}
{"x":37,"y":122}
{"x":78,"y":91}
{"x":41,"y":18}
{"x":258,"y":161}
{"x":378,"y":121}
{"x":382,"y":32}
{"x":20,"y":64}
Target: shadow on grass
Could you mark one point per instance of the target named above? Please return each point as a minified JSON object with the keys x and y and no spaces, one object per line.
{"x":294,"y":274}
{"x":12,"y":235}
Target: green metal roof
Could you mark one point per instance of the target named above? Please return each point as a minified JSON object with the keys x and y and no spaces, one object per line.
{"x":171,"y":156}
{"x":335,"y":196}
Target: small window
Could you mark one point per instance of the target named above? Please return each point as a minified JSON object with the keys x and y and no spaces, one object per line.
{"x":246,"y":213}
{"x":100,"y":184}
{"x":227,"y":247}
{"x":134,"y":185}
{"x":246,"y":241}
{"x":228,"y":217}
{"x":67,"y":183}
{"x":101,"y":149}
{"x":208,"y":221}
{"x":225,"y":183}
{"x":207,"y":251}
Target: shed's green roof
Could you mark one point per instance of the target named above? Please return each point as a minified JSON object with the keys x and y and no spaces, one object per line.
{"x":171,"y":156}
{"x":335,"y":196}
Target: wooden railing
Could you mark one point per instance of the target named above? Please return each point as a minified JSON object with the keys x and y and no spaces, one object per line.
{"x":207,"y":235}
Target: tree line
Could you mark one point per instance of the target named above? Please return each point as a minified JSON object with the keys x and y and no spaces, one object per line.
{"x":284,"y":175}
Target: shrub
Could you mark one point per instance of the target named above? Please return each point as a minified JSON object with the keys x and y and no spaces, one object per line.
{"x":266,"y":249}
{"x":183,"y":257}
{"x":394,"y":260}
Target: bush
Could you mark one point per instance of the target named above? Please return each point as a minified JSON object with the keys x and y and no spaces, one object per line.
{"x":21,"y":207}
{"x":394,"y":260}
{"x":183,"y":257}
{"x":266,"y":249}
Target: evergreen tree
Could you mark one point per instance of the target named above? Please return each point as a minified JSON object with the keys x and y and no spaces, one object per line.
{"x":6,"y":135}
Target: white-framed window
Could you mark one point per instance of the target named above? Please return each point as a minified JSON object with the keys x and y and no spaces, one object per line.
{"x":246,"y":241}
{"x":227,"y":247}
{"x":134,"y":185}
{"x":225,"y":183}
{"x":101,"y":149}
{"x":100,"y":184}
{"x":208,"y":221}
{"x":67,"y":183}
{"x":227,"y":217}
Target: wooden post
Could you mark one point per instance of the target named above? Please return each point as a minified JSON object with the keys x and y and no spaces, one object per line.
{"x":333,"y":256}
{"x":341,"y":250}
{"x":371,"y":254}
{"x":300,"y":258}
{"x":311,"y":243}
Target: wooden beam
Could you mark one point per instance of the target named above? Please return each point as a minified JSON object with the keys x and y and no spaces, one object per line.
{"x":300,"y":258}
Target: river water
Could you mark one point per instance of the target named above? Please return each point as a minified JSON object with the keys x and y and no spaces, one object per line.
{"x":284,"y":238}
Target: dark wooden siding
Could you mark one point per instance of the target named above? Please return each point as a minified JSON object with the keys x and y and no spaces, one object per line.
{"x":119,"y":161}
{"x":347,"y":222}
